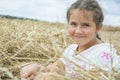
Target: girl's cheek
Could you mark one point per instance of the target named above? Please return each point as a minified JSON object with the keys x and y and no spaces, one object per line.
{"x":71,"y":32}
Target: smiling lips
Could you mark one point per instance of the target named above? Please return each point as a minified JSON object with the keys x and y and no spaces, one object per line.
{"x":80,"y":36}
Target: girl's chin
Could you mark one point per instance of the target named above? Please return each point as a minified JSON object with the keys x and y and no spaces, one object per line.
{"x":80,"y":43}
{"x":79,"y":39}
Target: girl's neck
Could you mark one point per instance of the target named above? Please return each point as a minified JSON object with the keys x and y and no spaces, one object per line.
{"x":92,"y":43}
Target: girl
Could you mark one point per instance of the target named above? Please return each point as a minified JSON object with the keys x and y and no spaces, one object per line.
{"x":84,"y":19}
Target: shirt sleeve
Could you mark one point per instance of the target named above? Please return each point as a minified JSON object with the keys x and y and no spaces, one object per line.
{"x":111,"y":58}
{"x":67,"y":54}
{"x":62,"y":58}
{"x":116,"y":62}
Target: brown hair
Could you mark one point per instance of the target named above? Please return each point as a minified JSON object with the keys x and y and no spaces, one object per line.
{"x":88,"y":5}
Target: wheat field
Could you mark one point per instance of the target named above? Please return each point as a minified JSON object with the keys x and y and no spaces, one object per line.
{"x":26,"y":41}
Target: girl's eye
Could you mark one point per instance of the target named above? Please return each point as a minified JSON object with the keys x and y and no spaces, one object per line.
{"x":73,"y":24}
{"x":86,"y":25}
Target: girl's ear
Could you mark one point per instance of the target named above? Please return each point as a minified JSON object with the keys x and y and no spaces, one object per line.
{"x":99,"y":27}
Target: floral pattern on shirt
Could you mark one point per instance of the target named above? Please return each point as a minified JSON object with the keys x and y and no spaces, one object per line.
{"x":72,"y":69}
{"x":99,"y":55}
{"x":106,"y":56}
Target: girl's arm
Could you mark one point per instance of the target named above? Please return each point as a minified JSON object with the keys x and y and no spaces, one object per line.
{"x":57,"y":67}
{"x":51,"y":72}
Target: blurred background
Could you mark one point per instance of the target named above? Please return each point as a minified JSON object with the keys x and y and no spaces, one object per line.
{"x":55,"y":10}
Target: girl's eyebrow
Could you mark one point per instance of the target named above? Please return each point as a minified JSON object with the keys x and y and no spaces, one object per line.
{"x":72,"y":22}
{"x":86,"y":23}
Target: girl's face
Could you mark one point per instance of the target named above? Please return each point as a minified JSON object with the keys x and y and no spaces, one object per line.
{"x":82,"y":28}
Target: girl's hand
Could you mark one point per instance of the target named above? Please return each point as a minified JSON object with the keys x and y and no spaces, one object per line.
{"x":56,"y":67}
{"x":29,"y":71}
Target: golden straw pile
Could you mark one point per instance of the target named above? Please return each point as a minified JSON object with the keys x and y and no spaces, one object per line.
{"x":25,"y":41}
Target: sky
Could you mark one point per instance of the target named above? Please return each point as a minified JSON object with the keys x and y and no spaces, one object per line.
{"x":55,"y":10}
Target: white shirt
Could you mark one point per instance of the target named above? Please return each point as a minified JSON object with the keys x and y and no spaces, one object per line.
{"x":101,"y":55}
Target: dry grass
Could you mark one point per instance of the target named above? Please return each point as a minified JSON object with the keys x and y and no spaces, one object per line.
{"x":42,"y":42}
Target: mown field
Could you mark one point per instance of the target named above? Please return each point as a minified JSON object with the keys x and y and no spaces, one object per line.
{"x":25,"y":41}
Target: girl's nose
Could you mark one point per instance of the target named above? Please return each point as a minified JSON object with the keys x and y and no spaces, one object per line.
{"x":79,"y":30}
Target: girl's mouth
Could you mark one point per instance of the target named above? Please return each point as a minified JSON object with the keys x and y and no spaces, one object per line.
{"x":80,"y":36}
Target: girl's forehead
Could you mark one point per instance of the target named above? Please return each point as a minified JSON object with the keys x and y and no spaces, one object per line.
{"x":81,"y":14}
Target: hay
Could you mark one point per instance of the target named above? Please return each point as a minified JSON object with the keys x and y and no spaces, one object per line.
{"x":24,"y":41}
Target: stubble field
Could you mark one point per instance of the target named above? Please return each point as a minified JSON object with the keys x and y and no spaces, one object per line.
{"x":25,"y":41}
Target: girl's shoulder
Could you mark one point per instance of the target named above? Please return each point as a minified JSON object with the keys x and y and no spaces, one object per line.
{"x":96,"y":49}
{"x":103,"y":47}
